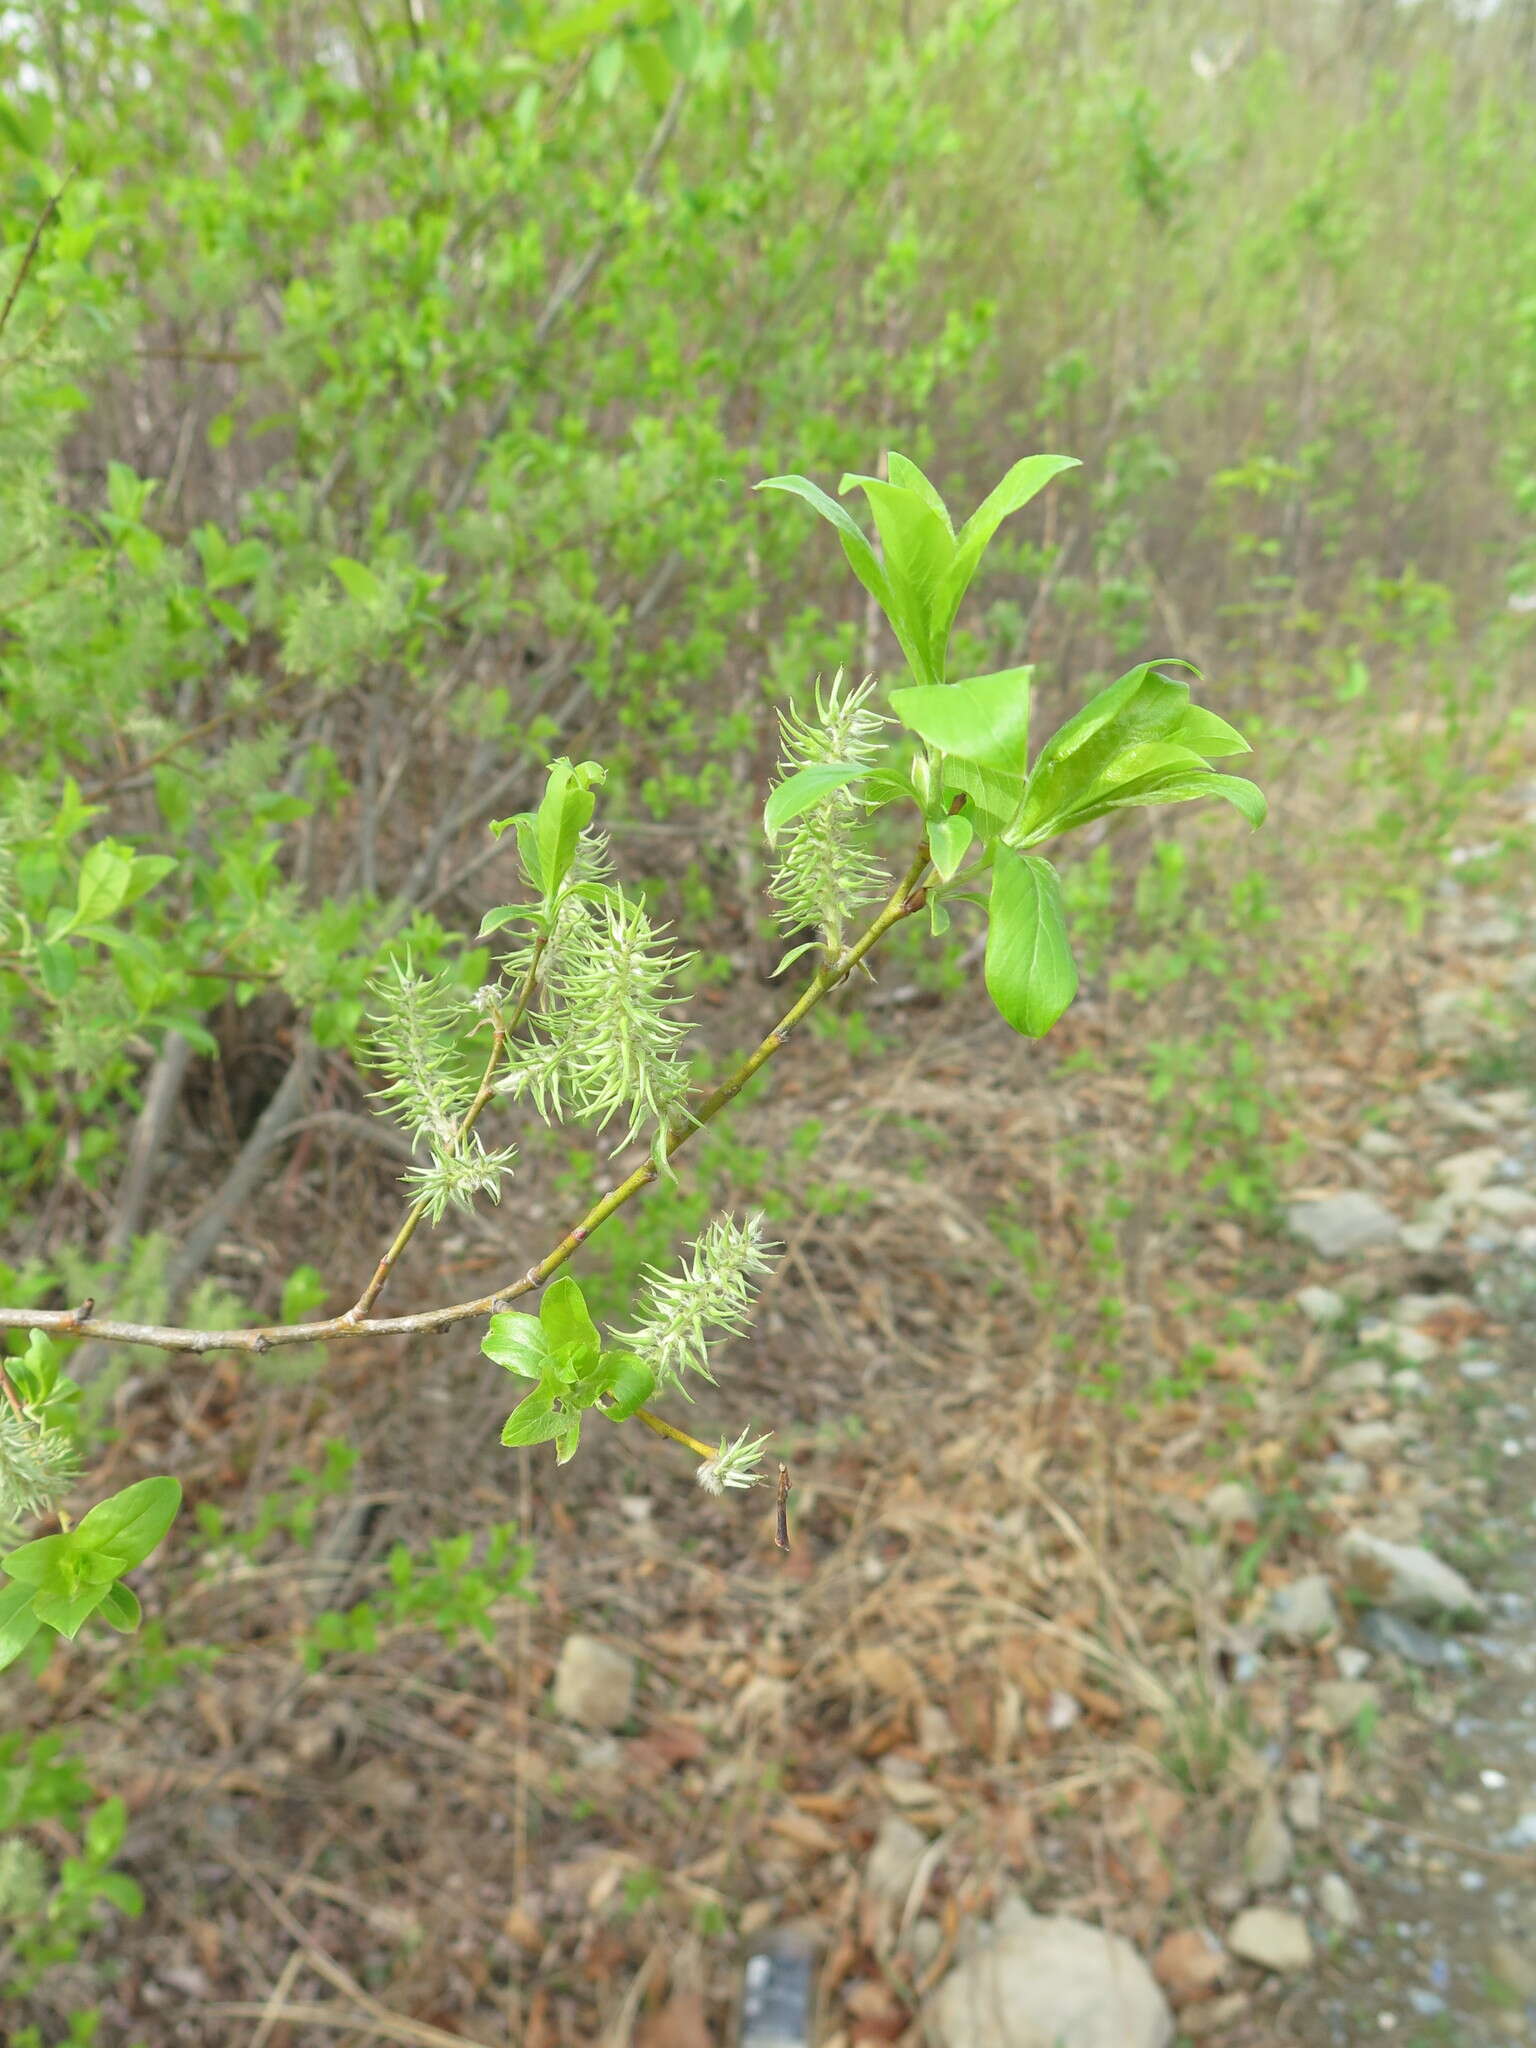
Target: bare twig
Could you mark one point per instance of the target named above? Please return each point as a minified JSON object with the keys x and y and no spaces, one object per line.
{"x":30,"y":255}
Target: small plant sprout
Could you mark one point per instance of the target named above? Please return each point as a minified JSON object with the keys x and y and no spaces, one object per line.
{"x":585,"y":1023}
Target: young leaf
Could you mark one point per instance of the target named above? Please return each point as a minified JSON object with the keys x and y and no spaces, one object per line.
{"x":356,"y":579}
{"x":566,"y":1323}
{"x":908,"y":477}
{"x":68,"y":1613}
{"x":919,"y":552}
{"x":18,"y":1624}
{"x":862,"y":558}
{"x":105,"y":1829}
{"x":949,"y":840}
{"x":518,"y":1342}
{"x":1141,"y":705}
{"x":1022,"y":483}
{"x":127,"y":1527}
{"x":631,"y":1384}
{"x":43,"y":1565}
{"x":1030,"y":972}
{"x":105,"y":874}
{"x":803,"y":790}
{"x":985,"y":720}
{"x":120,"y":1608}
{"x":534,"y":1420}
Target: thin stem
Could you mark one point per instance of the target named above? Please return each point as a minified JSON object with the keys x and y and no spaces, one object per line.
{"x":907,"y":898}
{"x":670,"y":1429}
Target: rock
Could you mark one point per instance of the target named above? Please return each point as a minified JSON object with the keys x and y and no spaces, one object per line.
{"x":1272,"y":1938}
{"x":594,"y":1683}
{"x":1375,"y":1442}
{"x":1190,"y":1965}
{"x":1337,"y":1902}
{"x":1346,"y":1475}
{"x":1380,"y":1145}
{"x":893,"y":1861}
{"x":1425,"y":1235}
{"x":1352,"y":1663}
{"x":1513,"y":1105}
{"x":1360,"y":1376}
{"x":1463,"y":1173}
{"x":1453,"y":1110}
{"x":1216,"y":2017}
{"x":1304,"y":1802}
{"x":1302,"y":1611}
{"x":1050,"y":1982}
{"x":1515,"y":1967}
{"x":1269,"y":1850}
{"x":1341,"y":1224}
{"x":1321,"y":1305}
{"x":1384,"y":1630}
{"x":1341,"y":1701}
{"x":1406,"y":1577}
{"x":1480,"y":1368}
{"x":1513,"y":1206}
{"x":1230,"y":1502}
{"x":1410,"y":1346}
{"x":935,"y":1732}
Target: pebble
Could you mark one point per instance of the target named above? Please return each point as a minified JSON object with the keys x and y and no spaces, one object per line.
{"x":1480,"y":1368}
{"x":1407,"y":1577}
{"x":1360,"y":1376}
{"x":1464,"y":1173}
{"x":1341,"y":1224}
{"x":1272,"y":1938}
{"x":1050,"y":1982}
{"x":1353,"y":1663}
{"x":1375,"y":1442}
{"x":1304,"y":1802}
{"x":1302,"y":1611}
{"x":1337,"y":1902}
{"x":1341,"y":1701}
{"x":594,"y":1683}
{"x":1231,"y":1502}
{"x":1384,"y":1630}
{"x":1270,"y":1848}
{"x":1320,"y":1304}
{"x":1507,"y":1205}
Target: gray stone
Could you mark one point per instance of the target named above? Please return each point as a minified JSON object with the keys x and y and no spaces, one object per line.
{"x":594,"y":1683}
{"x":1302,"y":1611}
{"x":1380,"y":1144}
{"x":1480,"y":1368}
{"x":1341,"y":1701}
{"x":1360,"y":1376}
{"x":893,"y":1860}
{"x":1272,"y":1938}
{"x":1407,"y":1578}
{"x":1375,"y":1442}
{"x":1425,"y":1236}
{"x":1337,"y":1902}
{"x":1463,"y":1173}
{"x":1050,"y":1982}
{"x":1352,"y":1663}
{"x":1304,"y":1802}
{"x":1230,"y":1502}
{"x":1399,"y":1636}
{"x":1321,"y":1305}
{"x":1513,"y":1206}
{"x":1341,"y":1224}
{"x":1269,"y":1849}
{"x":1346,"y":1475}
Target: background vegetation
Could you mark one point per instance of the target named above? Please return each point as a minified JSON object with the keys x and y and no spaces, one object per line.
{"x":378,"y":416}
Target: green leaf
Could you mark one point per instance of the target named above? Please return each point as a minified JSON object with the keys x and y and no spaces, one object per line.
{"x":919,"y":555}
{"x":567,"y":1439}
{"x":985,"y":720}
{"x":104,"y":877}
{"x":43,"y":1563}
{"x":105,"y":1829}
{"x":909,"y":477}
{"x":59,"y":965}
{"x":1204,"y":733}
{"x":1030,"y":972}
{"x":861,"y":556}
{"x":564,"y":812}
{"x":357,"y":580}
{"x":568,"y":1326}
{"x":1024,"y":481}
{"x":503,"y":914}
{"x":993,"y":798}
{"x":127,"y":1527}
{"x":68,"y":1613}
{"x":534,"y":1420}
{"x":18,"y":1624}
{"x":120,"y":1608}
{"x":631,"y":1384}
{"x":119,"y":1889}
{"x":518,"y":1342}
{"x":805,"y":789}
{"x":1140,"y":706}
{"x":949,"y":841}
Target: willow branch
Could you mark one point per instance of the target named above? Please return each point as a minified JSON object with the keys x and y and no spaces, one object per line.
{"x":908,"y":897}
